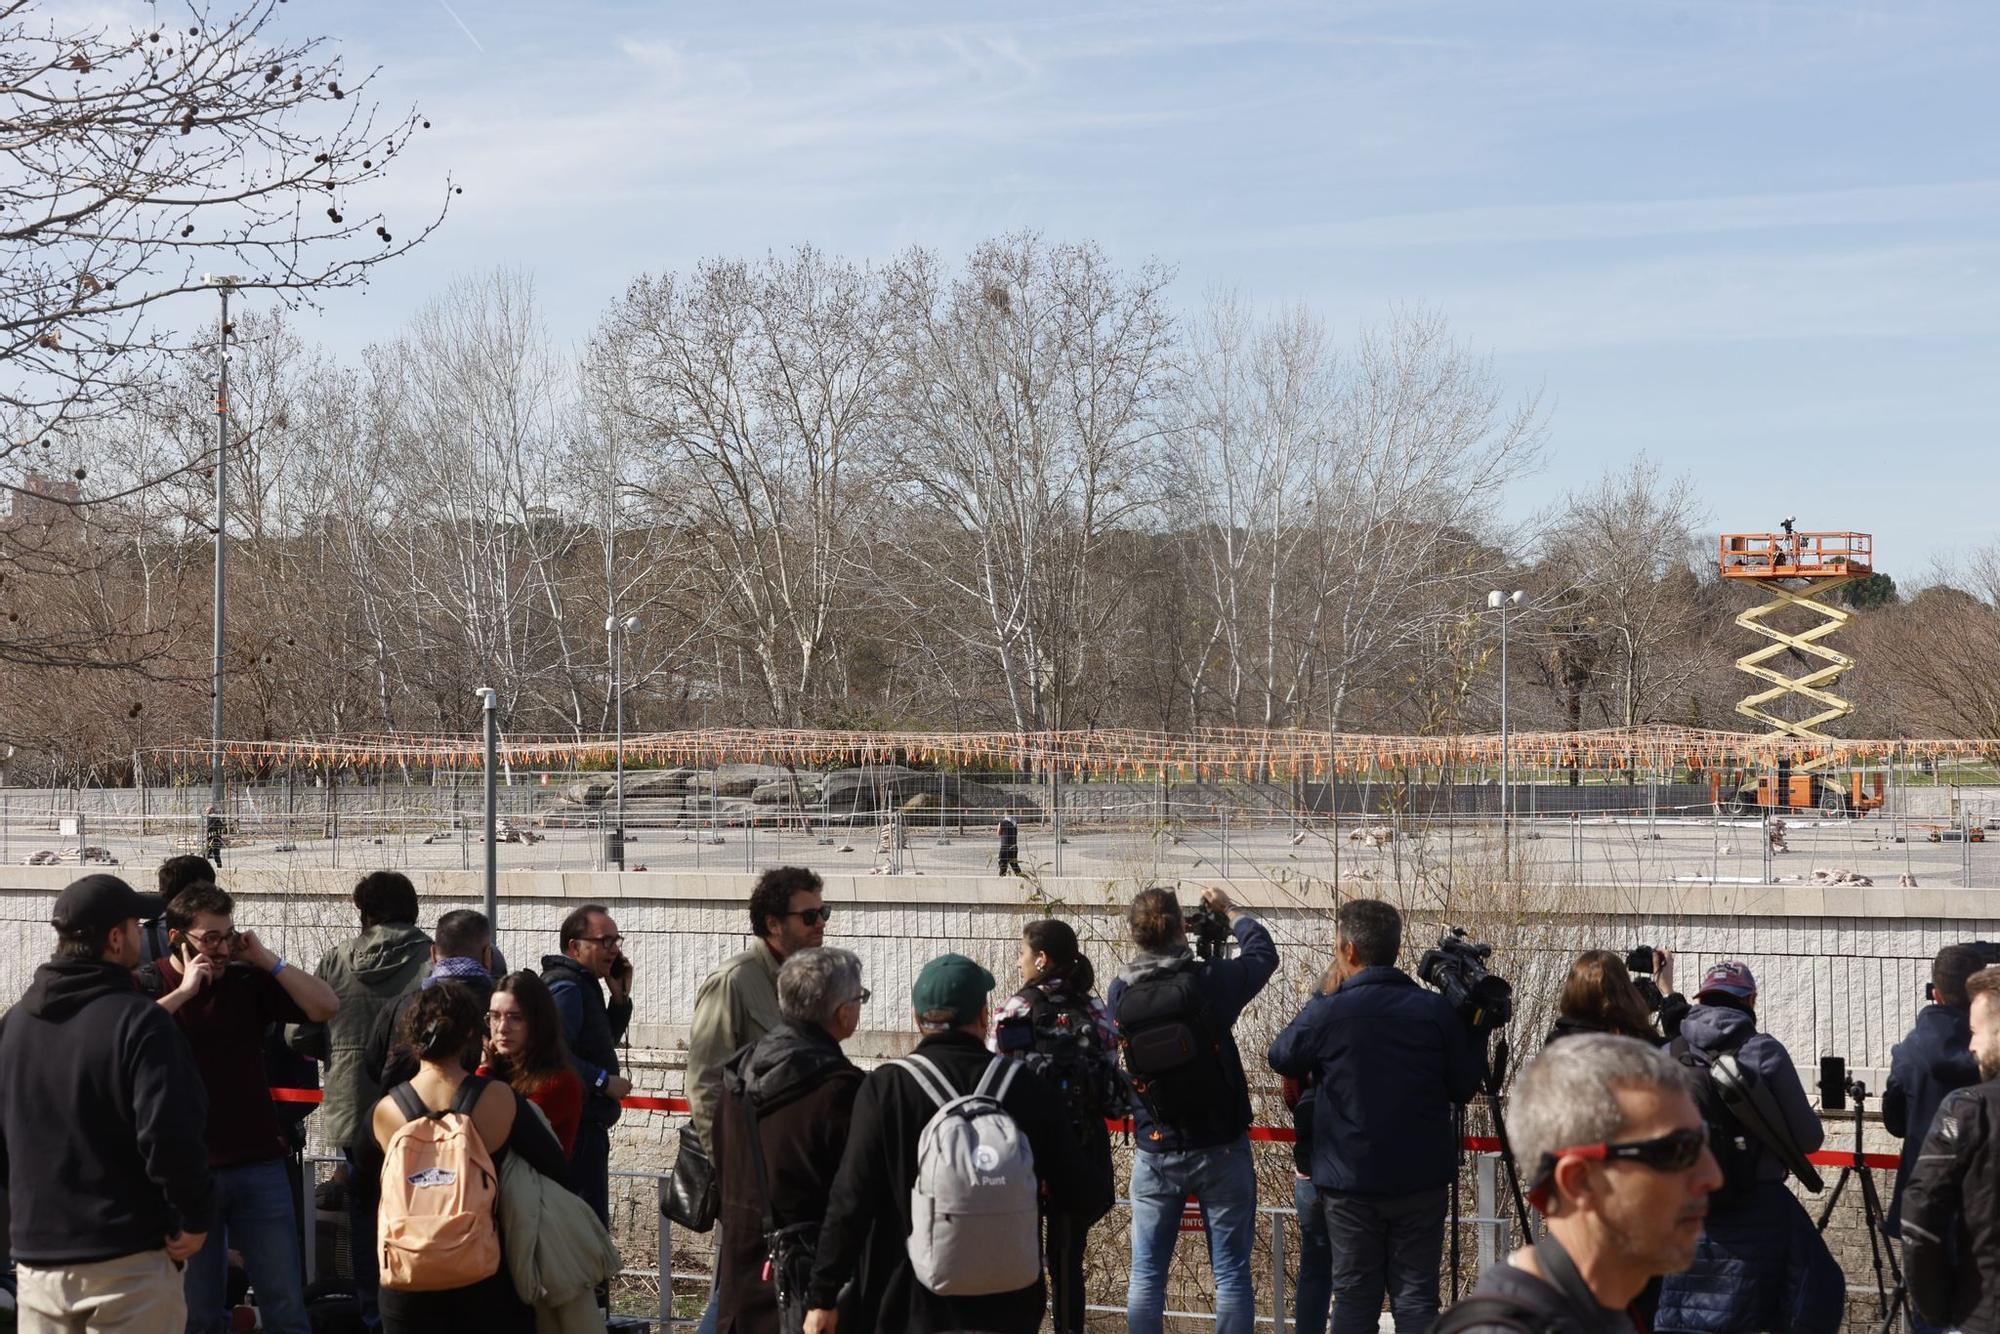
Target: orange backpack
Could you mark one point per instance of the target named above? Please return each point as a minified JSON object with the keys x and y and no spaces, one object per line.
{"x":435,"y":1228}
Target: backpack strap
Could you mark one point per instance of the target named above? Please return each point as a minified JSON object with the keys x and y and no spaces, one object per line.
{"x":929,"y":1078}
{"x":997,"y":1079}
{"x":467,"y":1097}
{"x":408,"y":1103}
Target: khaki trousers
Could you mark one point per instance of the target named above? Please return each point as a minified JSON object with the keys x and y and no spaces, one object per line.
{"x":134,"y":1294}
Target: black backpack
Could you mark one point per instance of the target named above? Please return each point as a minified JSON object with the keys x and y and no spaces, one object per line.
{"x":1173,"y":1052}
{"x":1067,"y":1050}
{"x":1736,"y":1150}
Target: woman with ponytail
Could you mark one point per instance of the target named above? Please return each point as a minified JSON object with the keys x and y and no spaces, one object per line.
{"x":443,"y":1029}
{"x":1057,"y":1024}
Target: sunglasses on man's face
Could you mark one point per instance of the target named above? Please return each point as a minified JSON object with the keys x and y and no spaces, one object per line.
{"x":812,"y":916}
{"x":1675,"y":1152}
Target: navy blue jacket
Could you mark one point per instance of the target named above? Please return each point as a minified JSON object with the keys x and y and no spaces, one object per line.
{"x":1935,"y":1059}
{"x":1760,"y":1265}
{"x":1229,"y":985}
{"x":1387,"y":1059}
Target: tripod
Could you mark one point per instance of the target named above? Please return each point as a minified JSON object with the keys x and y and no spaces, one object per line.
{"x":1496,"y":1075}
{"x":1893,"y":1297}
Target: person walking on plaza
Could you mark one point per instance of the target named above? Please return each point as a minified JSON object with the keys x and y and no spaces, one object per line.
{"x":1176,"y":1014}
{"x":1063,"y":1031}
{"x":1617,"y":1161}
{"x":102,"y":1131}
{"x":525,"y":1048}
{"x":224,"y":988}
{"x":1761,"y":1264}
{"x":592,"y":960}
{"x":1009,"y":855}
{"x":794,"y":1090}
{"x":871,"y":1236}
{"x":1384,"y":1148}
{"x":738,"y":1003}
{"x":1951,"y":1204}
{"x":368,"y":973}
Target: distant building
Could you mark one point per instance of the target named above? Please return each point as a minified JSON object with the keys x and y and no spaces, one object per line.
{"x":41,"y":498}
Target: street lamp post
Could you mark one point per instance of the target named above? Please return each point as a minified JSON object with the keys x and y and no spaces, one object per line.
{"x":490,"y":706}
{"x":618,"y":628}
{"x":223,"y":285}
{"x":1502,"y":603}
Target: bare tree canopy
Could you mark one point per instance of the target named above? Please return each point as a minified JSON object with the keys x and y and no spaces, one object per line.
{"x":135,"y":160}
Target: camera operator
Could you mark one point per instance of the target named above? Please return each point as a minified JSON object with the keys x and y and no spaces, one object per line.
{"x":1601,"y":997}
{"x":1174,"y":1014}
{"x":1932,"y":1061}
{"x":1622,"y":1172}
{"x":1387,"y":1060}
{"x":1761,"y":1264}
{"x":1951,"y":1211}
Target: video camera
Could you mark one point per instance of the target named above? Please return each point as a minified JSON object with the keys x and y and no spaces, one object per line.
{"x":1209,"y":927}
{"x":1988,"y":952}
{"x":1457,"y":970}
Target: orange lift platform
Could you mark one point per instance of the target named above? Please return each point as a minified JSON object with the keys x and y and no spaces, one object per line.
{"x":1797,"y":570}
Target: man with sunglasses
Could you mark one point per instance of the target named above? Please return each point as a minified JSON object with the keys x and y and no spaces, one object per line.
{"x":737,"y":1004}
{"x":225,"y":988}
{"x":593,"y":959}
{"x":1620,"y":1167}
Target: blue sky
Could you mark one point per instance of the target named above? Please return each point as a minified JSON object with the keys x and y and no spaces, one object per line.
{"x":1756,"y":240}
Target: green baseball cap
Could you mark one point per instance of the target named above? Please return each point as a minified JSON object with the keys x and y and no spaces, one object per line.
{"x":952,"y":982}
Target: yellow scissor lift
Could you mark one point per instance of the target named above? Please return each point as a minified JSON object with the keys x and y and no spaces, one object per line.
{"x":1797,"y":570}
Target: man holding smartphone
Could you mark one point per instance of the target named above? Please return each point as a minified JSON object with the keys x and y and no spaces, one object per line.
{"x":593,"y":960}
{"x":224,"y":989}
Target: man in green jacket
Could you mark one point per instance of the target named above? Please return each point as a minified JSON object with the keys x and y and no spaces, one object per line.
{"x":369,"y":973}
{"x":738,"y":1003}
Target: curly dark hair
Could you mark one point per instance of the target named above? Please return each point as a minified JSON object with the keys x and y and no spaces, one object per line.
{"x":773,"y":895}
{"x":196,"y":899}
{"x":443,"y":1023}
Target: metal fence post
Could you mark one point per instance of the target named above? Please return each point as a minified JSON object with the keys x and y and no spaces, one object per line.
{"x":1278,"y":1273}
{"x":1488,"y":1243}
{"x":310,"y":1217}
{"x":665,"y":1259}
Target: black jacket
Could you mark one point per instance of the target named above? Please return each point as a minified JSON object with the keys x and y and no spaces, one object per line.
{"x":102,"y":1120}
{"x":1951,"y":1214}
{"x":1229,"y":986}
{"x":1932,"y":1061}
{"x":868,"y":1214}
{"x":1672,"y":1010}
{"x":802,"y":1089}
{"x":385,"y":1067}
{"x":1371,"y":1134}
{"x":592,"y":1027}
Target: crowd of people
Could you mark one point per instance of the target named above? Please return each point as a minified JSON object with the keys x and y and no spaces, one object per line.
{"x":954,"y":1187}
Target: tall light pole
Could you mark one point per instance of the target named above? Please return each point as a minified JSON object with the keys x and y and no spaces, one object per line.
{"x":1502,"y":603}
{"x":490,"y":706}
{"x":223,"y":285}
{"x":618,"y":628}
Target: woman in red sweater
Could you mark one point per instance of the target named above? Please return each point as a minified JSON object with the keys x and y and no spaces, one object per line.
{"x":524,"y":1046}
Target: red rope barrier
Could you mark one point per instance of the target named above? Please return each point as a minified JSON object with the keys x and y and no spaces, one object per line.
{"x":642,"y":1102}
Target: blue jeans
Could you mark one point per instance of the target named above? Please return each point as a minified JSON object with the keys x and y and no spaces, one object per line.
{"x":1390,"y":1244}
{"x":253,"y":1215}
{"x":1223,"y":1181}
{"x":364,"y":1192}
{"x":1315,"y":1284}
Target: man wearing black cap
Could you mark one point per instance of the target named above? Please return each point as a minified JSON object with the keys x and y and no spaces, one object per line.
{"x":867,"y":1236}
{"x":102,"y":1124}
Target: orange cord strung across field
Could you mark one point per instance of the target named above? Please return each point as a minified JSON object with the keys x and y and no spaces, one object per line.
{"x":1208,"y":754}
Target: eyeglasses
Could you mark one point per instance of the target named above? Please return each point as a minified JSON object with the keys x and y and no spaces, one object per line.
{"x":812,"y":916}
{"x":504,"y":1018}
{"x":865,"y":996}
{"x":613,"y":941}
{"x":209,"y":940}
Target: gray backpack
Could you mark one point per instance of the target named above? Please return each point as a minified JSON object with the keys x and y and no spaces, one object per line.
{"x":975,"y":1228}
